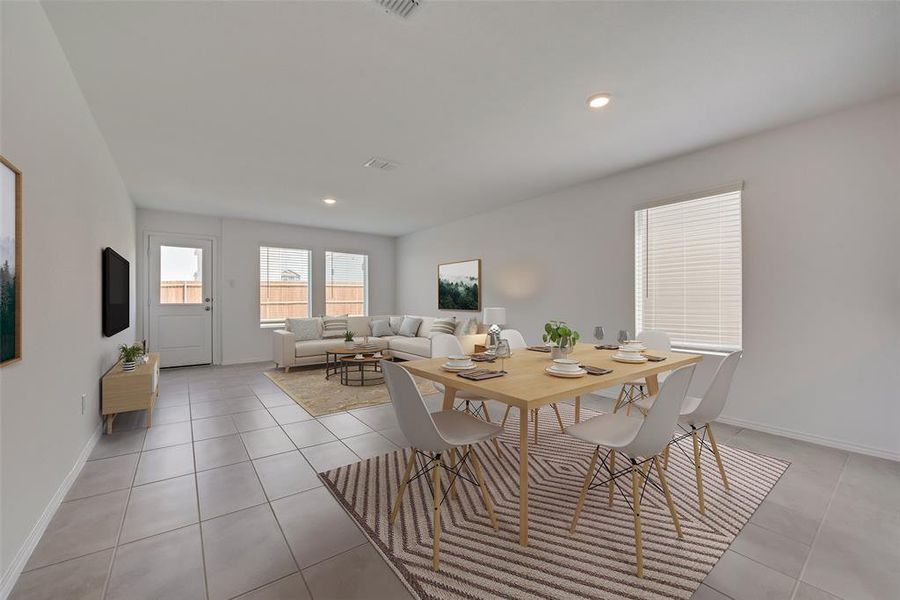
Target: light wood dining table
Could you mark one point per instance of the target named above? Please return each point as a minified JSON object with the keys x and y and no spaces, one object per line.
{"x":527,"y":386}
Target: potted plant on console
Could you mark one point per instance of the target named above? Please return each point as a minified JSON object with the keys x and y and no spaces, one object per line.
{"x":562,"y":337}
{"x":348,"y":339}
{"x":130,"y":356}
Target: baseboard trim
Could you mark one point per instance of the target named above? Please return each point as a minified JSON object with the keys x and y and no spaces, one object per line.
{"x":810,"y":437}
{"x":8,"y":581}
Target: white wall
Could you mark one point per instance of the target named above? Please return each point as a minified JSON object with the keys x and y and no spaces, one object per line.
{"x":74,"y":204}
{"x":821,"y":321}
{"x":236,"y":271}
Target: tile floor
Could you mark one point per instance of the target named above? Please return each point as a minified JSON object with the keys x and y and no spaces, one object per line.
{"x":220,"y":499}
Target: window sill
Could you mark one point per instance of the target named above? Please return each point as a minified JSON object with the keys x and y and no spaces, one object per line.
{"x":704,"y":352}
{"x":271,"y":325}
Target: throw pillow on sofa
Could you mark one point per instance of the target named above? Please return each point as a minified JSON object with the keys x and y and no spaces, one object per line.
{"x":334,"y":327}
{"x":304,"y":329}
{"x":396,"y":322}
{"x":447,"y":325}
{"x":409,"y":327}
{"x":382,"y":328}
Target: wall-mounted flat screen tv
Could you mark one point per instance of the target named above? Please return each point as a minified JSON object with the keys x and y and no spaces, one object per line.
{"x":116,"y":305}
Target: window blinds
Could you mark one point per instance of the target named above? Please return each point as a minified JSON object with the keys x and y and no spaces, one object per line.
{"x":346,"y":284}
{"x":283,"y":284}
{"x":687,"y":271}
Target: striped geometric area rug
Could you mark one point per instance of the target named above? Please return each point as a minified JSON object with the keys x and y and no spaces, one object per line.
{"x":595,"y":562}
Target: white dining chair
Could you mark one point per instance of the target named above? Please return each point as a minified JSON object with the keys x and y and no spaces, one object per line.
{"x":695,"y":421}
{"x":636,"y":390}
{"x":517,"y":342}
{"x":639,"y":441}
{"x":440,"y":441}
{"x":443,"y":345}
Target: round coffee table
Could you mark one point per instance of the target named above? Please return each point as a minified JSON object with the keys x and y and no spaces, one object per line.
{"x":334,"y":354}
{"x":361,"y":371}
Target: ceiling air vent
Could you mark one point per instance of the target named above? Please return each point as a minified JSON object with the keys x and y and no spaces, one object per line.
{"x":402,"y":8}
{"x":381,"y":164}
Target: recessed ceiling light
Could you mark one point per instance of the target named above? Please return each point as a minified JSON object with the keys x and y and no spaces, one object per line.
{"x":597,"y":101}
{"x":329,"y":200}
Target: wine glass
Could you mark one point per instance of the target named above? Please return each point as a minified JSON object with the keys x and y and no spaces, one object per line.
{"x":598,"y":333}
{"x":502,"y":351}
{"x":624,"y":336}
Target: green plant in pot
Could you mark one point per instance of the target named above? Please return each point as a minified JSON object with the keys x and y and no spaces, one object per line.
{"x":562,"y":337}
{"x":130,"y":356}
{"x":348,"y":338}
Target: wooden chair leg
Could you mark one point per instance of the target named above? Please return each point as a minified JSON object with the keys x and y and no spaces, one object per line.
{"x":612,"y":471}
{"x":505,"y":415}
{"x":666,"y":457}
{"x":562,"y":427}
{"x":484,"y":491}
{"x":584,"y":488}
{"x":618,"y":403}
{"x":436,"y":520}
{"x":409,"y":465}
{"x":697,"y":471}
{"x":578,"y":409}
{"x":715,"y":449}
{"x":451,"y":479}
{"x":668,"y":494}
{"x":636,"y":506}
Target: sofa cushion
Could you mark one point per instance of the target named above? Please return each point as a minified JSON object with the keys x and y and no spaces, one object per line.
{"x":313,"y":347}
{"x":382,"y":328}
{"x":419,"y":346}
{"x":410,"y":326}
{"x":443,"y":325}
{"x":359,"y":326}
{"x":305,"y":329}
{"x":334,"y":327}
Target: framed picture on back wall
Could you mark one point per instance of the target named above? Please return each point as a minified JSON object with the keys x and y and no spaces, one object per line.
{"x":10,"y":263}
{"x":459,"y":285}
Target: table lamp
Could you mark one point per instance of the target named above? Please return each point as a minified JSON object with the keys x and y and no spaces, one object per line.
{"x":495,"y":317}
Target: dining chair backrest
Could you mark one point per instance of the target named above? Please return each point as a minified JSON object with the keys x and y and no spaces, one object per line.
{"x":412,"y":415}
{"x":515,"y":339}
{"x":445,"y":344}
{"x":655,"y":339}
{"x":714,"y":399}
{"x":656,"y":430}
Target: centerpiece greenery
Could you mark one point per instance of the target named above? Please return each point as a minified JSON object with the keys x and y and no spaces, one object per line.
{"x":348,"y":337}
{"x":561,"y":336}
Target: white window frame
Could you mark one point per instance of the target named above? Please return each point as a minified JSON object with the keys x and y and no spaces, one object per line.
{"x":309,"y":285}
{"x":365,"y":282}
{"x":639,"y":284}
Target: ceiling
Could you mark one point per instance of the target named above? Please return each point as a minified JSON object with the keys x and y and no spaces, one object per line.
{"x":260,"y":109}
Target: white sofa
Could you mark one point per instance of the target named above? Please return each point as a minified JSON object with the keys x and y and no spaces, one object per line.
{"x":289,"y":352}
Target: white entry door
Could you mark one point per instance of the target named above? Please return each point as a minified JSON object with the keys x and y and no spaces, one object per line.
{"x":180,"y":300}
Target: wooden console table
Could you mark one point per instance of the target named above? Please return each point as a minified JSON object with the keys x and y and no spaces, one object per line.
{"x":124,"y":391}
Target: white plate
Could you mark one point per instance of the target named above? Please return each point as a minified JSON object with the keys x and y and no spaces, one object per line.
{"x":568,"y":374}
{"x":627,"y":359}
{"x":453,"y":369}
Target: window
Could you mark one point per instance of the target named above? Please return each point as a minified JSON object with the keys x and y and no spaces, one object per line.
{"x":687,"y":271}
{"x":346,"y":284}
{"x":283,"y":284}
{"x":180,"y":275}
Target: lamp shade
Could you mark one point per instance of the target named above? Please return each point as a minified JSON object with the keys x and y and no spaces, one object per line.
{"x":495,"y":316}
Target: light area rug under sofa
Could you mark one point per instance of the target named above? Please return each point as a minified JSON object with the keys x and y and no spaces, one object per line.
{"x":319,"y":397}
{"x":596,"y":562}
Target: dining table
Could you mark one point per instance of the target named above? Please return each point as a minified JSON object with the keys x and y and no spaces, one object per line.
{"x":527,"y":386}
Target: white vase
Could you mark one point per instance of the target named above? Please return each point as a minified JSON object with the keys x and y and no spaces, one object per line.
{"x":128,"y":365}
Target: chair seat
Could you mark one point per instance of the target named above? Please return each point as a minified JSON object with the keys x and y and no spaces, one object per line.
{"x":460,"y":394}
{"x":461,"y":429}
{"x":610,"y":430}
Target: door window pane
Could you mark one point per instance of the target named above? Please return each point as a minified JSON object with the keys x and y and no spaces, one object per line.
{"x":180,"y":275}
